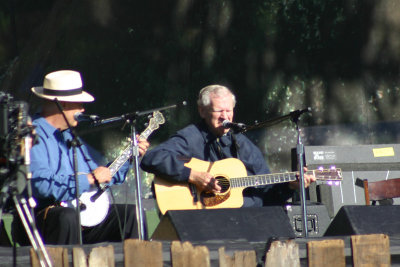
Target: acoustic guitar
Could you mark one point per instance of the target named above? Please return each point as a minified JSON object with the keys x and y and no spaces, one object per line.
{"x":232,"y":176}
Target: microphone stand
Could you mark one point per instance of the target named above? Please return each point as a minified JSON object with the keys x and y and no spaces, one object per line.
{"x":131,"y":119}
{"x":133,"y":115}
{"x":74,"y":144}
{"x":300,"y":154}
{"x":277,"y":120}
{"x":142,"y":229}
{"x":294,"y":116}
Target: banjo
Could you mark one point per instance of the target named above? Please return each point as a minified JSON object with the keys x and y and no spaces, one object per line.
{"x":95,"y":203}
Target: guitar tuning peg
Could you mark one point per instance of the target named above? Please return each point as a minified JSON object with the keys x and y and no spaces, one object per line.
{"x":146,"y":124}
{"x":332,"y":183}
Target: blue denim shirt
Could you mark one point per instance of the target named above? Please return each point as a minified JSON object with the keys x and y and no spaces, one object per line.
{"x":196,"y":141}
{"x":52,"y":165}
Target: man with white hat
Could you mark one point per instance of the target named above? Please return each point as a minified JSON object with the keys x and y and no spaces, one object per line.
{"x":53,"y":172}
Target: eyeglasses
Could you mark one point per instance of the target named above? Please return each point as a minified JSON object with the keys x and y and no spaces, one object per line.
{"x":222,"y":111}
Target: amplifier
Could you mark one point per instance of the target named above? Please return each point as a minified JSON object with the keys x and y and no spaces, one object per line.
{"x":358,"y":162}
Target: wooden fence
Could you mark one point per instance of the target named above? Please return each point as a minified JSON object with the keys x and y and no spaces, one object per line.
{"x":366,"y":250}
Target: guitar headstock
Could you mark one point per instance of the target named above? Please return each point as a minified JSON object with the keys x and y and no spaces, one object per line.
{"x":331,"y":176}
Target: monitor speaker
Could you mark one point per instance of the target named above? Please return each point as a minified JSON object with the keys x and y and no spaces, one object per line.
{"x":355,"y":219}
{"x":318,"y":219}
{"x":251,"y":224}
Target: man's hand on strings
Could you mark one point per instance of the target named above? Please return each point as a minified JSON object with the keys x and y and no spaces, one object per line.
{"x":143,"y":145}
{"x":204,"y":181}
{"x":102,"y":174}
{"x":308,"y":179}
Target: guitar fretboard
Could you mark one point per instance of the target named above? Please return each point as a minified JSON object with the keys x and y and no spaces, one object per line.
{"x":264,"y":179}
{"x":119,"y":161}
{"x":126,"y":154}
{"x":157,"y":119}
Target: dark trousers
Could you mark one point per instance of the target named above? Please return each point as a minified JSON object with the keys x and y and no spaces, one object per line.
{"x":59,"y":226}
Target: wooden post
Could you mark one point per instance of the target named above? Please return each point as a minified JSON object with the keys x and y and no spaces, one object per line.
{"x":57,"y":255}
{"x":370,"y":250}
{"x":326,"y":253}
{"x":143,"y":253}
{"x":239,"y":259}
{"x":102,"y":256}
{"x":79,"y":258}
{"x":282,"y":254}
{"x":185,"y":255}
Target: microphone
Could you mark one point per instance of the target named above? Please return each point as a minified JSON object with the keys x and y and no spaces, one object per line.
{"x":301,"y":111}
{"x":79,"y":116}
{"x":298,"y":112}
{"x":234,"y":125}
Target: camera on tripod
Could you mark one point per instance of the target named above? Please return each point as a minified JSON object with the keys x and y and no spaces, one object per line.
{"x":16,"y":139}
{"x":16,"y":135}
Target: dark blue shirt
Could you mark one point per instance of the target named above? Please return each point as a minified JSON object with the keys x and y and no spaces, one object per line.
{"x":196,"y":141}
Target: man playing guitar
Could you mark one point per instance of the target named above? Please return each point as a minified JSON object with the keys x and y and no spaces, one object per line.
{"x":210,"y":141}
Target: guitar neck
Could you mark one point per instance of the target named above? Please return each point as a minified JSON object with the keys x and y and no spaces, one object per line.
{"x":264,"y":179}
{"x":120,"y":160}
{"x":126,"y":154}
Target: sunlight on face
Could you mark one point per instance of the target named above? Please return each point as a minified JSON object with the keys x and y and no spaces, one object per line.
{"x":220,"y":109}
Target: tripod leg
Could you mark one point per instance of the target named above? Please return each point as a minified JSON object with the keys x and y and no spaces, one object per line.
{"x":33,"y":234}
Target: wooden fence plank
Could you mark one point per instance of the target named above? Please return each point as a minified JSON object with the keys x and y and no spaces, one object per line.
{"x":224,"y":260}
{"x":57,"y":255}
{"x":102,"y":256}
{"x":326,"y":253}
{"x":239,"y":258}
{"x":185,"y":255}
{"x":370,"y":250}
{"x":282,"y":254}
{"x":143,"y":253}
{"x":79,"y":258}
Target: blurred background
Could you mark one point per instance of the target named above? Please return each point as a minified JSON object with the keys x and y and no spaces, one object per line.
{"x":339,"y":57}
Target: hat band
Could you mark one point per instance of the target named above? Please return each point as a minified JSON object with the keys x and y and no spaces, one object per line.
{"x":70,"y":92}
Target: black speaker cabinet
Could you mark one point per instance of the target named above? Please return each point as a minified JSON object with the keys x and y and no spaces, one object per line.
{"x":318,"y":219}
{"x":251,"y":224}
{"x":354,"y":220}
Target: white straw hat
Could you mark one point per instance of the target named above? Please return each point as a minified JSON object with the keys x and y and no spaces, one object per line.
{"x":65,"y":85}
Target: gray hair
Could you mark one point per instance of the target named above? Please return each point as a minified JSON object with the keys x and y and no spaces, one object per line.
{"x":219,"y":90}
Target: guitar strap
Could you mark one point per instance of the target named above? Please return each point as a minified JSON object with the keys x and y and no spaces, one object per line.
{"x":223,"y":153}
{"x":236,"y":146}
{"x":218,"y":149}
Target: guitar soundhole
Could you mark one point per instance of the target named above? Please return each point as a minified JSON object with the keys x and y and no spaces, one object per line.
{"x":223,"y":183}
{"x":210,"y":199}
